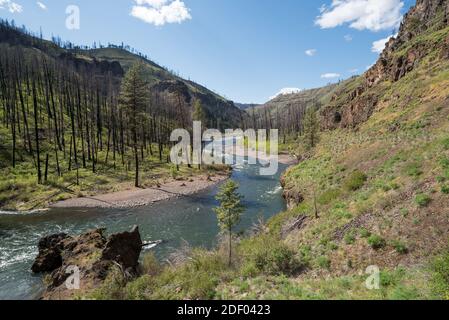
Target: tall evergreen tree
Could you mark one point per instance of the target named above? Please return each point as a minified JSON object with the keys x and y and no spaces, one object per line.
{"x":198,"y":112}
{"x":134,"y":99}
{"x":230,"y":210}
{"x":311,"y":128}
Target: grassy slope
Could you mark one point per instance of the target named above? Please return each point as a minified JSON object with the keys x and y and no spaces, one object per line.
{"x":382,"y":200}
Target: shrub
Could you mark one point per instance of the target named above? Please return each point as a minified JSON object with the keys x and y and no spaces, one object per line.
{"x":355,"y":181}
{"x":140,"y":289}
{"x":444,"y":162}
{"x":174,"y":172}
{"x":376,"y":242}
{"x":278,"y":260}
{"x":446,"y":144}
{"x":350,"y":237}
{"x":196,"y":279}
{"x":423,"y":200}
{"x":269,"y":256}
{"x":324,"y":262}
{"x":364,"y":233}
{"x":111,"y":288}
{"x":440,"y":276}
{"x":329,"y":196}
{"x":404,"y":293}
{"x":150,"y":265}
{"x":400,"y":247}
{"x":413,"y":169}
{"x":445,"y":189}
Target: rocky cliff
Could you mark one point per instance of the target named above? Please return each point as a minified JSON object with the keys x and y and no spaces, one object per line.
{"x":424,"y":33}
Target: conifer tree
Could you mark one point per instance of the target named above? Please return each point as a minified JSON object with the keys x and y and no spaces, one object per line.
{"x":134,"y":99}
{"x":230,"y":210}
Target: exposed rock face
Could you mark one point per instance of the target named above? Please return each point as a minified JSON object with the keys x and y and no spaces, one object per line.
{"x":91,"y":254}
{"x":292,"y":197}
{"x":124,"y":248}
{"x":49,"y":257}
{"x":401,"y":56}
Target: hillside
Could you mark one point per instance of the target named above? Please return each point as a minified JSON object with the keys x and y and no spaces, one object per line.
{"x":221,"y":112}
{"x":372,"y":193}
{"x":66,"y":130}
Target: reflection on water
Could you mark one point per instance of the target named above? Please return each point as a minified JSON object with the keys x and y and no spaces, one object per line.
{"x":188,"y":219}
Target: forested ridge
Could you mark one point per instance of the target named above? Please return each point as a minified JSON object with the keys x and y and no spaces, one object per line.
{"x":65,"y":115}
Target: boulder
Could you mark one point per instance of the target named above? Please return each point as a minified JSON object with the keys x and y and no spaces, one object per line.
{"x":124,"y":248}
{"x":91,"y":253}
{"x":49,"y":257}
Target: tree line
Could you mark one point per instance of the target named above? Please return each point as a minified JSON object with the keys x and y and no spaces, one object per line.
{"x":54,"y":110}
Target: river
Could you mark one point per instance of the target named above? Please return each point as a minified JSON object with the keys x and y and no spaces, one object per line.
{"x":189,"y":219}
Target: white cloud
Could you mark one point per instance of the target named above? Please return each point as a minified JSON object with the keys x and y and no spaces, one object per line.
{"x":160,"y":12}
{"x":41,"y":5}
{"x":372,"y":15}
{"x":286,"y":91}
{"x":11,"y":6}
{"x":370,"y":66}
{"x":379,"y":45}
{"x":355,"y":70}
{"x":330,"y":75}
{"x":311,"y":52}
{"x":348,"y":38}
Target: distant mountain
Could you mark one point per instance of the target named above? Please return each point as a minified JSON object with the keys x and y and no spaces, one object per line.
{"x":245,"y":106}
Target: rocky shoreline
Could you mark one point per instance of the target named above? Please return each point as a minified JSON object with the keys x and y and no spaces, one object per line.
{"x":76,"y":265}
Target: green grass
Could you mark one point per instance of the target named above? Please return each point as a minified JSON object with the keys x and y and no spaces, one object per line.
{"x":355,"y":181}
{"x":376,"y":242}
{"x":423,"y":200}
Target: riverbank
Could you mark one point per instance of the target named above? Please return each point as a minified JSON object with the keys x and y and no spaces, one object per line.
{"x":137,"y":197}
{"x":283,"y":157}
{"x":172,"y":188}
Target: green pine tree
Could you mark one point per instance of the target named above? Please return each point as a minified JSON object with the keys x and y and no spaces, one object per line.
{"x":134,"y":98}
{"x":230,"y":210}
{"x":198,"y":112}
{"x":311,"y":128}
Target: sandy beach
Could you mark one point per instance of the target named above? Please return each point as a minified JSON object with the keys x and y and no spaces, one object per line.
{"x":143,"y":197}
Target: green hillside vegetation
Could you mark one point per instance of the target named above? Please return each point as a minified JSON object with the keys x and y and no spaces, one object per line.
{"x":65,"y":131}
{"x":381,"y":196}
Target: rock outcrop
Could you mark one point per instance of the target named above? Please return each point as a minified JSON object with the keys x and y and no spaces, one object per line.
{"x":402,"y":54}
{"x":91,"y":255}
{"x":292,"y":197}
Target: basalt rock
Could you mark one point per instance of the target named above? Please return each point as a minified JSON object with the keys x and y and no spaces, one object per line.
{"x":49,"y":257}
{"x":124,"y":248}
{"x":91,"y":255}
{"x":402,"y":54}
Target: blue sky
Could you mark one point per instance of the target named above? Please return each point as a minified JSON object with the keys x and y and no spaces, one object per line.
{"x":246,"y":50}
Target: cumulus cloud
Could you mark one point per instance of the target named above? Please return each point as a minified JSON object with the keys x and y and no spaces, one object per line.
{"x":11,"y":6}
{"x":160,"y":12}
{"x":373,"y":15}
{"x":286,"y":91}
{"x":41,"y":5}
{"x":379,"y":45}
{"x":311,"y":52}
{"x":330,"y":75}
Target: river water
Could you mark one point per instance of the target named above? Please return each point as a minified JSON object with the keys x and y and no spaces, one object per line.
{"x":189,"y":219}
